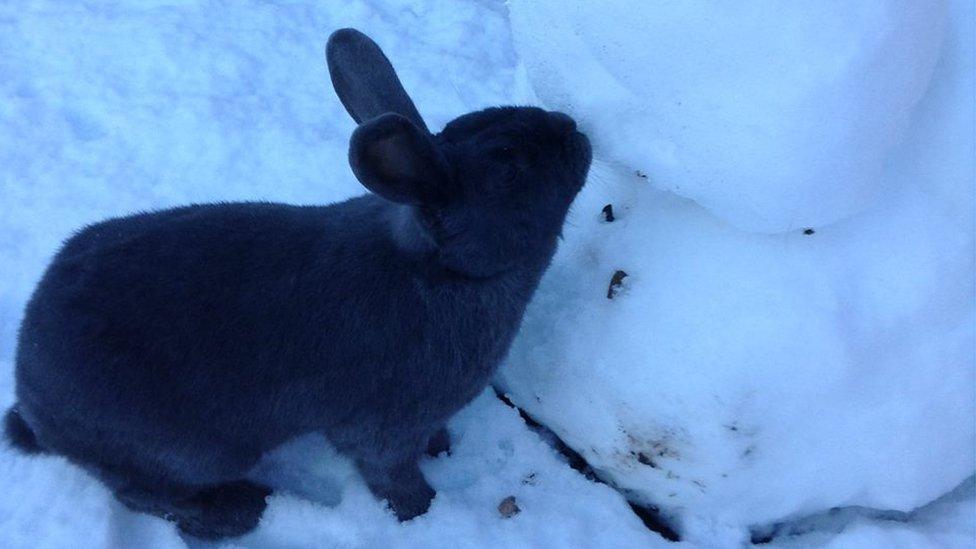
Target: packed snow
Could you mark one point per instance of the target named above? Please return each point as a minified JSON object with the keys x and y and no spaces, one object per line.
{"x":741,"y":377}
{"x":746,"y":377}
{"x":773,"y":115}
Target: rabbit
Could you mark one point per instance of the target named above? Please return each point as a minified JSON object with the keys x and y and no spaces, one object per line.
{"x":166,"y":352}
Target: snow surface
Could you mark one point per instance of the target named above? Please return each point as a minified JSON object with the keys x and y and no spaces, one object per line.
{"x":772,"y":114}
{"x":741,"y":378}
{"x":837,"y":361}
{"x":321,"y":502}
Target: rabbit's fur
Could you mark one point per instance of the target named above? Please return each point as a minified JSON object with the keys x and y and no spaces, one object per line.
{"x":166,"y":352}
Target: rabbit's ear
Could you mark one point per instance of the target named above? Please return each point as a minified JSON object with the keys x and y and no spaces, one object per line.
{"x":364,"y":79}
{"x":395,"y":159}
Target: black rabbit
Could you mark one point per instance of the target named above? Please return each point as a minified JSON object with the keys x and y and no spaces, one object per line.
{"x":165,"y":352}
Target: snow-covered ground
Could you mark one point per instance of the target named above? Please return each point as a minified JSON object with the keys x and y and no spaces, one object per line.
{"x":779,"y":348}
{"x":759,"y":374}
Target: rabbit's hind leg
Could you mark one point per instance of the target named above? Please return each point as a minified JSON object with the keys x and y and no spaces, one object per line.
{"x":209,"y":512}
{"x":224,"y":510}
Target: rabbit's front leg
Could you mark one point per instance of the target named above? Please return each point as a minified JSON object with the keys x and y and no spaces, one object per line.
{"x":403,"y":486}
{"x":439,"y":443}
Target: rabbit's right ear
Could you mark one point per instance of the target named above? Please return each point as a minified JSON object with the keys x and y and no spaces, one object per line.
{"x":364,"y":79}
{"x":395,"y":159}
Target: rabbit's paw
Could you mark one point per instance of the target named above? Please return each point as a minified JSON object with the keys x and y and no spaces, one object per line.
{"x":226,"y":510}
{"x":439,"y":443}
{"x":403,"y":487}
{"x":407,"y":504}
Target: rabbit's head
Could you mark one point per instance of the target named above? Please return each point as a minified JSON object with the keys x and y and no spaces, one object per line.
{"x":488,"y":193}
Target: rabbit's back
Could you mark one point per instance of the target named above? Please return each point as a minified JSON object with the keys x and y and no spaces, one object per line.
{"x":194,"y":315}
{"x":251,"y":323}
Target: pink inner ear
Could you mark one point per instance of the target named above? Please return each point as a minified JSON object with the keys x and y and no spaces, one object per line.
{"x":394,"y":158}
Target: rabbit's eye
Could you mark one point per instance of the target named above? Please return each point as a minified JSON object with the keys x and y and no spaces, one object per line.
{"x":433,"y":221}
{"x":429,"y":215}
{"x":510,"y":172}
{"x":504,"y":152}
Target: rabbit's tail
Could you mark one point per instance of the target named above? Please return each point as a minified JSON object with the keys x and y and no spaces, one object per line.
{"x":20,"y":435}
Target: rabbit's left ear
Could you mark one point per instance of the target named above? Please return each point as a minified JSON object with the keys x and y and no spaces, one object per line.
{"x":395,"y":159}
{"x":364,"y":79}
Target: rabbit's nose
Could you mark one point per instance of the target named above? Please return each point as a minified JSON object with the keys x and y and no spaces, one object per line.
{"x":563,"y":122}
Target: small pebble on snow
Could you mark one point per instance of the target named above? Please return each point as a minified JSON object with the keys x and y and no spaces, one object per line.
{"x":615,"y":283}
{"x":508,"y":508}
